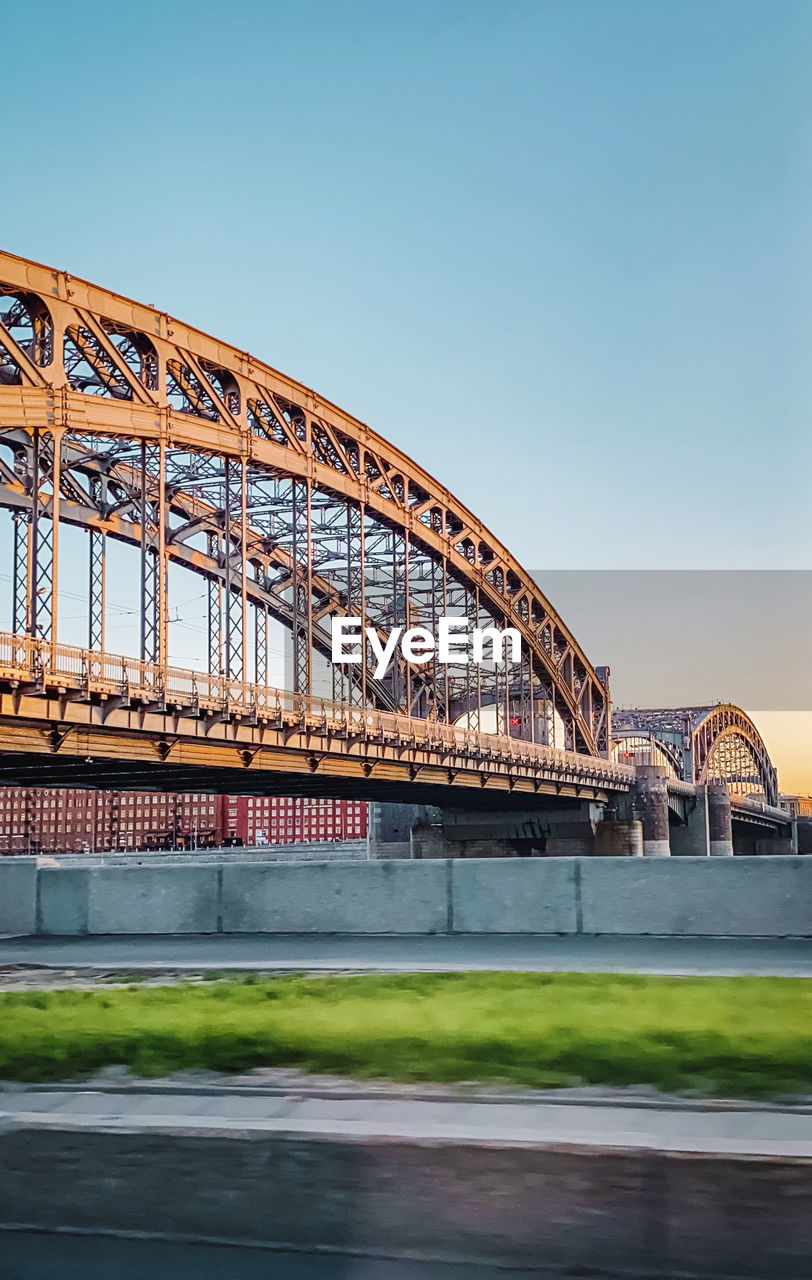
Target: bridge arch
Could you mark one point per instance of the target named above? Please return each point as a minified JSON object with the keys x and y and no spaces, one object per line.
{"x":727,"y":747}
{"x":642,"y":748}
{"x":121,"y":420}
{"x":719,"y":743}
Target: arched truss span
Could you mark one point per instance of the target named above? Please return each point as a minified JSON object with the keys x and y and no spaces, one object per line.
{"x":703,"y":744}
{"x":117,"y":418}
{"x":642,"y":748}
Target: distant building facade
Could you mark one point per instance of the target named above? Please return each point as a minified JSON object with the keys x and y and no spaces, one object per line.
{"x":73,"y":820}
{"x":796,"y":806}
{"x":286,"y":819}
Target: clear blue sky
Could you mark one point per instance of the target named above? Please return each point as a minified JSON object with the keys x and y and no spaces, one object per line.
{"x":558,"y":251}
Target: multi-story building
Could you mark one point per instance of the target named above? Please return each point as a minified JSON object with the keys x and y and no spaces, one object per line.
{"x":70,"y":820}
{"x":796,"y":806}
{"x":284,"y":819}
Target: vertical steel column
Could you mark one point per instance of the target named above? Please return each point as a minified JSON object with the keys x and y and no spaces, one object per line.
{"x":56,"y":494}
{"x":309,"y":588}
{"x":43,"y":558}
{"x":349,"y":683}
{"x":244,"y":566}
{"x":294,"y":578}
{"x":408,"y":674}
{"x":214,"y":601}
{"x":19,"y":572}
{"x":547,"y":701}
{"x":33,"y":577}
{"x":507,"y":727}
{"x":339,"y":672}
{"x":163,"y":564}
{"x":477,"y":716}
{"x":97,"y":544}
{"x":260,"y":638}
{"x":472,"y":672}
{"x":433,"y":708}
{"x":446,"y":699}
{"x":338,"y":682}
{"x":362,"y":582}
{"x":525,"y":699}
{"x":234,"y":586}
{"x":151,"y":593}
{"x":96,"y":590}
{"x":406,"y":596}
{"x":502,"y":691}
{"x":351,"y":678}
{"x":396,"y":671}
{"x":301,"y":546}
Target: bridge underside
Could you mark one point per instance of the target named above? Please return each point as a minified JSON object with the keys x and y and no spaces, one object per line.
{"x":53,"y":739}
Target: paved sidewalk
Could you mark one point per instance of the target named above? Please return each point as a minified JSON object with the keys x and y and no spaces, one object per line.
{"x":780,"y":957}
{"x":739,"y":1130}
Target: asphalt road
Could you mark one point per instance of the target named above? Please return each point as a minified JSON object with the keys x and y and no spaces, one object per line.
{"x":787,"y":957}
{"x":28,"y":1255}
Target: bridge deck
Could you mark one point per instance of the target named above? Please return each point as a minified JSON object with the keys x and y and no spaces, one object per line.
{"x":74,"y":714}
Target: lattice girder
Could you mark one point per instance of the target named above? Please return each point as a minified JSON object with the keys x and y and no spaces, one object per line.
{"x":234,"y":406}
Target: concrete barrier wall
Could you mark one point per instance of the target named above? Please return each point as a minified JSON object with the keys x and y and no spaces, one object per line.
{"x":349,"y":897}
{"x":76,"y":900}
{"x":64,"y":897}
{"x":513,"y":895}
{"x":728,"y":897}
{"x":18,"y":895}
{"x":735,"y":897}
{"x":153,"y":899}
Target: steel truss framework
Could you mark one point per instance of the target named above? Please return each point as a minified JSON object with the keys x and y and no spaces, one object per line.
{"x":699,"y":744}
{"x":116,"y":418}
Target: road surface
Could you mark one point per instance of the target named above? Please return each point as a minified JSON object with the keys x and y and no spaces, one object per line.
{"x":30,"y":1255}
{"x":645,"y":1187}
{"x":786,"y":957}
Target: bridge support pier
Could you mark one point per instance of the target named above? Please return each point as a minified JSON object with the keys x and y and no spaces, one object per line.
{"x":692,"y":839}
{"x":389,"y":830}
{"x":720,"y":828}
{"x":619,"y":836}
{"x":574,"y":829}
{"x":651,"y":800}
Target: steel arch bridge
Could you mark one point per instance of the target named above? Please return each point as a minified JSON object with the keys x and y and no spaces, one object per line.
{"x":120,"y":420}
{"x":719,"y":743}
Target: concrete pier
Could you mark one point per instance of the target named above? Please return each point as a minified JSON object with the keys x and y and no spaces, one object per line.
{"x":720,"y":828}
{"x":389,"y":830}
{"x":651,"y":798}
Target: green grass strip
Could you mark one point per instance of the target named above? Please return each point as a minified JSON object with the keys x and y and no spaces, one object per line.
{"x":747,"y":1037}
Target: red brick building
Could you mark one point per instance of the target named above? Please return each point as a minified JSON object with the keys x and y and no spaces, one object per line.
{"x":66,"y":820}
{"x":285,"y":819}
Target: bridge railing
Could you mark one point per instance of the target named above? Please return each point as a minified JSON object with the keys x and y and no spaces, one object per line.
{"x":755,"y":805}
{"x":37,"y":665}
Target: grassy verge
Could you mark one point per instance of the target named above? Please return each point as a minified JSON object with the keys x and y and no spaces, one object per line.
{"x":742,"y":1036}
